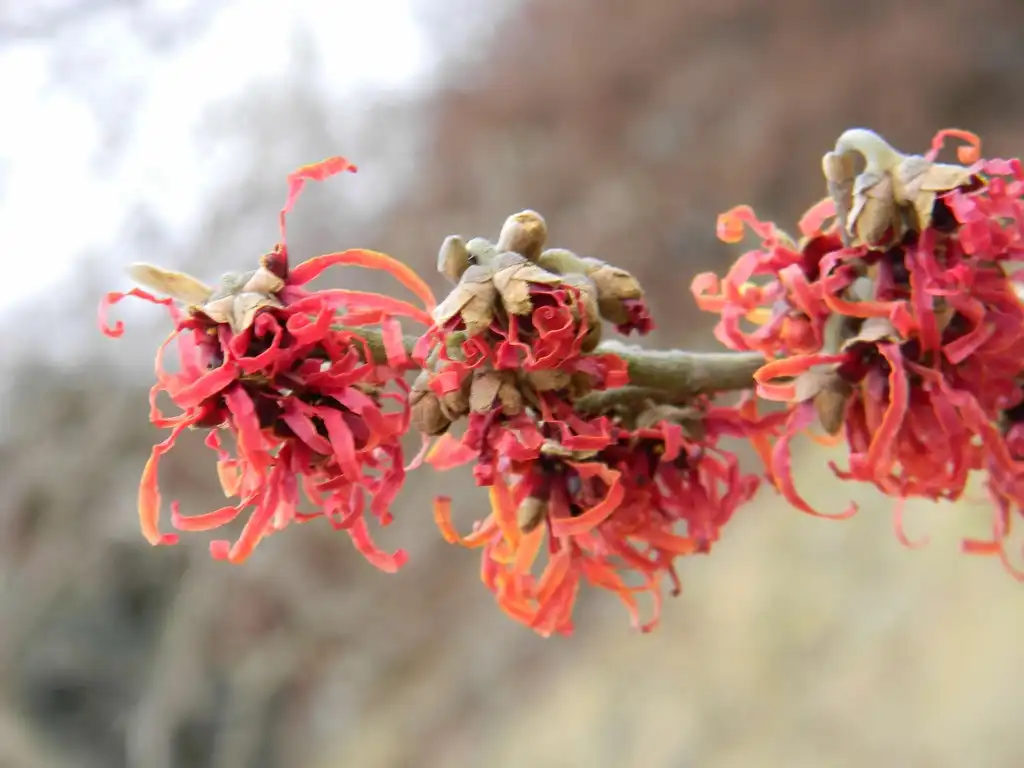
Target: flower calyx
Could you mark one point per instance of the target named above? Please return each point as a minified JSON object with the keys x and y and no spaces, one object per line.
{"x":893,"y":194}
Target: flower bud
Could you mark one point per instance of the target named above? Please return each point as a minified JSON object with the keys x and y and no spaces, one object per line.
{"x":495,"y":388}
{"x":531,"y":513}
{"x":428,"y":415}
{"x":549,"y":380}
{"x":453,"y":258}
{"x":524,"y":233}
{"x":830,"y":403}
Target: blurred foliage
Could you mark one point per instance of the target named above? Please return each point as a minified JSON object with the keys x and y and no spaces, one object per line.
{"x":629,"y":126}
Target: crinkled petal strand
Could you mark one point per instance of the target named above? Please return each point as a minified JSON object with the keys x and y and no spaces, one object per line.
{"x":149,"y":491}
{"x":359,"y":257}
{"x":112,"y":298}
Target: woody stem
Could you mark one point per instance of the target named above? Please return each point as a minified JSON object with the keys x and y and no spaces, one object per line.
{"x":674,"y":373}
{"x":680,"y":373}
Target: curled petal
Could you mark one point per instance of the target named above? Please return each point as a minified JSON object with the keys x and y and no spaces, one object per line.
{"x":311,"y":268}
{"x":149,"y":492}
{"x":781,"y":467}
{"x":313,"y":172}
{"x":385,"y":561}
{"x":589,"y":519}
{"x":117,"y":330}
{"x":731,"y":224}
{"x":344,"y":300}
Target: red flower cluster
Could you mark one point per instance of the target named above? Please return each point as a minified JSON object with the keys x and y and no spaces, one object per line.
{"x":590,"y":501}
{"x":311,"y":394}
{"x":899,"y":323}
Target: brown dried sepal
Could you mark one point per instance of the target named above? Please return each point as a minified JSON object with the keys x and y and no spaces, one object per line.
{"x":184,"y":288}
{"x":241,"y":296}
{"x":456,"y":402}
{"x":830,"y":403}
{"x":875,"y":213}
{"x":531,"y":513}
{"x":473,"y":300}
{"x":514,"y":276}
{"x":548,"y":380}
{"x":874,"y":330}
{"x":556,"y":450}
{"x":829,"y":393}
{"x":840,"y":173}
{"x":432,"y":414}
{"x":524,"y":233}
{"x":894,"y":192}
{"x":917,"y":182}
{"x":427,"y":413}
{"x":492,"y":389}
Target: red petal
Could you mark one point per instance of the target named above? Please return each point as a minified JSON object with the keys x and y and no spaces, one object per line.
{"x":785,"y":369}
{"x":206,"y":521}
{"x":259,"y":523}
{"x":782,"y":472}
{"x":812,"y":221}
{"x":389,"y":563}
{"x":247,"y":426}
{"x":149,"y":492}
{"x":394,"y":344}
{"x":342,"y":442}
{"x":901,"y":534}
{"x":360,"y":257}
{"x":591,"y":518}
{"x":504,"y":511}
{"x":113,"y":298}
{"x":450,"y":452}
{"x":342,"y":299}
{"x":443,"y":518}
{"x":883,"y":440}
{"x":730,"y":225}
{"x":965,"y":155}
{"x":313,"y":172}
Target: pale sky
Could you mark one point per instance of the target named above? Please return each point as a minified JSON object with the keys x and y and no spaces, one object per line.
{"x":48,"y":138}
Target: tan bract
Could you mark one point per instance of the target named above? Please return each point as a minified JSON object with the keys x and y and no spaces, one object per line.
{"x":472,"y":299}
{"x":895,"y":192}
{"x":234,"y":302}
{"x":514,"y":277}
{"x":491,"y":388}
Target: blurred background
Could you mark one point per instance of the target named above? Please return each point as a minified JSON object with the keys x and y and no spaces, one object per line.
{"x":162,"y":130}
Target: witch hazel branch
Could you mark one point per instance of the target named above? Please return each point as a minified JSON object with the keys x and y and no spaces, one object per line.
{"x":890,"y":324}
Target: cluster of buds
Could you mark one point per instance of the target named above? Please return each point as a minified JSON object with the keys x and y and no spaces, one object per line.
{"x":308,"y":385}
{"x":519,"y":331}
{"x":894,"y":320}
